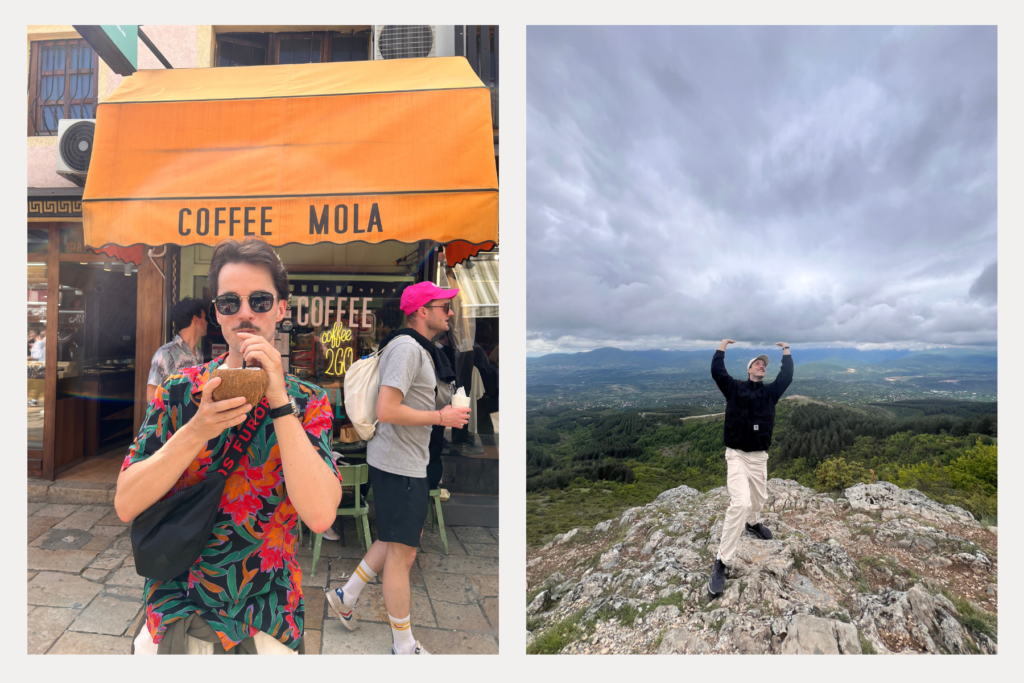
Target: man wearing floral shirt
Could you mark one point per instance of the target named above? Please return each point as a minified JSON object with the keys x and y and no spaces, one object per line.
{"x":245,"y":588}
{"x":189,"y":318}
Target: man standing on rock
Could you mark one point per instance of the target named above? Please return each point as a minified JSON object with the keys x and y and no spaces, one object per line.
{"x":749,"y":421}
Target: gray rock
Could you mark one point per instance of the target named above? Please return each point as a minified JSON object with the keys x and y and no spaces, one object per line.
{"x":676,"y":495}
{"x":814,"y":635}
{"x":885,"y":495}
{"x":541,"y":603}
{"x":567,"y":536}
{"x":610,"y":558}
{"x":679,"y":641}
{"x":554,"y":579}
{"x":795,"y":593}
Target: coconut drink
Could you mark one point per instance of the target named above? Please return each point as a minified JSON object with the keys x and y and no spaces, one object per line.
{"x":250,"y":382}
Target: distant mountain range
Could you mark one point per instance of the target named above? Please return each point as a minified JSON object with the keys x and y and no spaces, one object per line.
{"x":824,"y":359}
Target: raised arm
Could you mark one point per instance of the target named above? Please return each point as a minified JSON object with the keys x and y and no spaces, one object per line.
{"x":718,"y":371}
{"x":785,"y":376}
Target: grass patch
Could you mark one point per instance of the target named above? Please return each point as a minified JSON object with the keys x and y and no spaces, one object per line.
{"x":558,"y":636}
{"x":656,"y":645}
{"x":866,"y":648}
{"x":975,"y":619}
{"x":798,"y":559}
{"x":533,"y":623}
{"x":626,"y":615}
{"x":673,"y":599}
{"x":716,"y":626}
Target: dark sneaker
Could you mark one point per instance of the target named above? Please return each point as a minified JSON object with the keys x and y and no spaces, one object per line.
{"x":760,"y":530}
{"x":716,"y":584}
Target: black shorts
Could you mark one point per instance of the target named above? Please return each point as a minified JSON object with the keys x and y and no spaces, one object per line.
{"x":401,"y":506}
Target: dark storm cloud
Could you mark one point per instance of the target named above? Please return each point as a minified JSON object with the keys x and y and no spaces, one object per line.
{"x":765,"y":184}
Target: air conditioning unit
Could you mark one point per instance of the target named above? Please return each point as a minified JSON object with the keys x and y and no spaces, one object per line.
{"x":393,"y":41}
{"x":74,"y":148}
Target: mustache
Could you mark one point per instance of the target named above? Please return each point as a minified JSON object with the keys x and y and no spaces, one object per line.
{"x":245,"y":326}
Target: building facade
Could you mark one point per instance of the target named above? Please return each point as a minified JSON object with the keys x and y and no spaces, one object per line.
{"x":97,"y":315}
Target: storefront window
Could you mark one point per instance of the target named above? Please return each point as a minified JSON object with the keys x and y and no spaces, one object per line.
{"x":72,"y":240}
{"x":37,"y":240}
{"x":36,"y":354}
{"x":331,"y":323}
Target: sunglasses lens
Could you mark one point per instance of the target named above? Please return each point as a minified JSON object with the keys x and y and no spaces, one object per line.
{"x":228,"y":304}
{"x":261,"y":302}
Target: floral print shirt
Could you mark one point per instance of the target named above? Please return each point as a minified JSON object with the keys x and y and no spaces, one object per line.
{"x":247,"y":578}
{"x":172,"y":357}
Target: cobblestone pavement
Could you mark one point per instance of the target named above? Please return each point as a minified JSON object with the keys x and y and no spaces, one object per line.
{"x":84,"y":596}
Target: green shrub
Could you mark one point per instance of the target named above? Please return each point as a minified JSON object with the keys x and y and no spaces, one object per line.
{"x":835,"y":474}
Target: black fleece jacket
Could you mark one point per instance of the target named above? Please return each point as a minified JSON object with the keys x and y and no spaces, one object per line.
{"x":750,"y":406}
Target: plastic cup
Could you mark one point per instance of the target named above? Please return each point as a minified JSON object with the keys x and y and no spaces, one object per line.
{"x":460,"y":401}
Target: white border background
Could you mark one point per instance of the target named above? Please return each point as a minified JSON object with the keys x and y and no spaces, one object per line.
{"x":512,"y":664}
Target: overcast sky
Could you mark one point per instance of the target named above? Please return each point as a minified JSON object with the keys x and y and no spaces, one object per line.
{"x":808,"y":185}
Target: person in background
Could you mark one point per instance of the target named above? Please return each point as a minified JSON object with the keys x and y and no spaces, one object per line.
{"x":189,"y":319}
{"x":408,"y":407}
{"x":749,"y":421}
{"x":39,"y":347}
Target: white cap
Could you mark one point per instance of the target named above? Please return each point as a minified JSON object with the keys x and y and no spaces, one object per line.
{"x":761,"y":357}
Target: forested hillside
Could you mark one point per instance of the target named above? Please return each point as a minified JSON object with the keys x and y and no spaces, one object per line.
{"x":584,"y":466}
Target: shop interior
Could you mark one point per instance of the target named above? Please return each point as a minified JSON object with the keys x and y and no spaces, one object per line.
{"x":95,"y":346}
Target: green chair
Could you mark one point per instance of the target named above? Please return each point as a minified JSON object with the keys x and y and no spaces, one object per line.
{"x":355,"y":476}
{"x":434,"y":512}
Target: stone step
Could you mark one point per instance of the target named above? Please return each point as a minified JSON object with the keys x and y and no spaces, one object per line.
{"x":70,"y":492}
{"x":463,"y":509}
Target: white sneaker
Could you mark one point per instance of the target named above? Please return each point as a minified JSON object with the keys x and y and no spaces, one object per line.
{"x":418,"y":650}
{"x":348,"y":615}
{"x":331,"y":534}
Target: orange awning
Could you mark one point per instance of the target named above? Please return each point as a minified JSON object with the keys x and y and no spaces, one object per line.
{"x":343,"y":152}
{"x":457,"y":252}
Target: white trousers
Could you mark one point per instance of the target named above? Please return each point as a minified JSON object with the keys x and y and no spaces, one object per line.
{"x":265,"y":645}
{"x":747,"y":485}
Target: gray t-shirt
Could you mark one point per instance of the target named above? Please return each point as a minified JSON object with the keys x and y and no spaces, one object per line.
{"x":400,"y":450}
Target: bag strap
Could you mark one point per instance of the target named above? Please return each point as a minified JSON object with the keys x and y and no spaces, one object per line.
{"x":238,"y":441}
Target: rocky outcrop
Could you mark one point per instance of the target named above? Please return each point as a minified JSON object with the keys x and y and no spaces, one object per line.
{"x":876,"y":570}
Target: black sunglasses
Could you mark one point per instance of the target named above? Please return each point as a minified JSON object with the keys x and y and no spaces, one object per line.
{"x":230,"y":304}
{"x":447,"y":306}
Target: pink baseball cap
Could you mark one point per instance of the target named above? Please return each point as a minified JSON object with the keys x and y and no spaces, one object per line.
{"x":421,"y":294}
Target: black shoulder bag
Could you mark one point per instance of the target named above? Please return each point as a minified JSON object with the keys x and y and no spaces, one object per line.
{"x":168,"y":538}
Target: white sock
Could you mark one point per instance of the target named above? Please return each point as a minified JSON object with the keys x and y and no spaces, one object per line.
{"x":360,"y":577}
{"x":401,"y":631}
{"x":718,"y":556}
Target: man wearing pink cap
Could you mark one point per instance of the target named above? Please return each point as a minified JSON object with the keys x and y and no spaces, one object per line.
{"x":408,"y":406}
